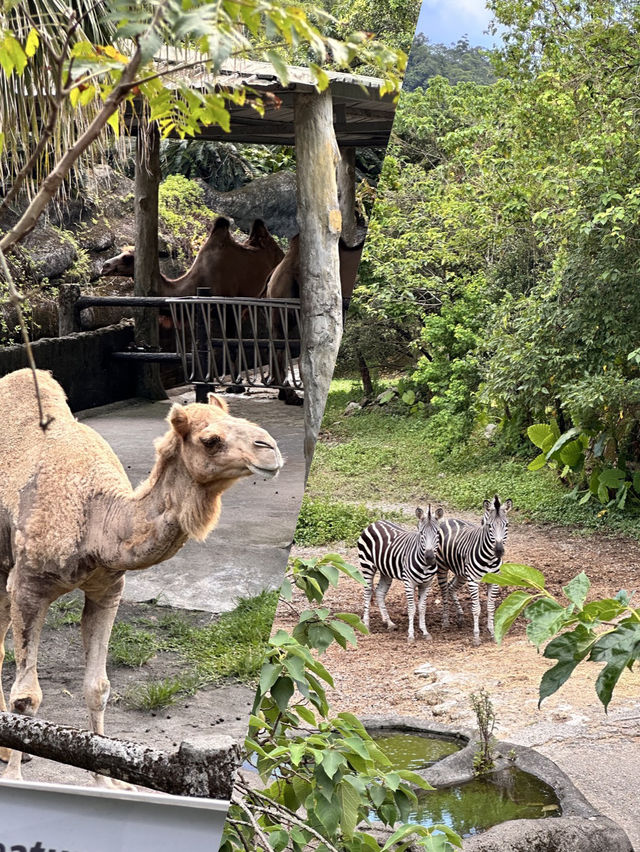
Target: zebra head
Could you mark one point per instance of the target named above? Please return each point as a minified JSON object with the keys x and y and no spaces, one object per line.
{"x":428,"y":533}
{"x":494,"y":518}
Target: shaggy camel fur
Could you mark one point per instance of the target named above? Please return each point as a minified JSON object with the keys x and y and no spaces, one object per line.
{"x":69,"y":519}
{"x":229,"y":268}
{"x":283,"y":283}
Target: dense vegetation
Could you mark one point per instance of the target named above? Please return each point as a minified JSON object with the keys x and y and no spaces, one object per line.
{"x":459,"y":62}
{"x":501,"y":268}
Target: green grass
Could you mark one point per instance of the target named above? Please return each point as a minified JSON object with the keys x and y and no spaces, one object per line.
{"x":131,"y":647}
{"x":155,"y":694}
{"x":375,"y":456}
{"x":323,"y":520}
{"x":65,"y":610}
{"x":232,"y":647}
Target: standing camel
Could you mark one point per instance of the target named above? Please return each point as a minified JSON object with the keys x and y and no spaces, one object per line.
{"x":69,"y":519}
{"x":229,"y":268}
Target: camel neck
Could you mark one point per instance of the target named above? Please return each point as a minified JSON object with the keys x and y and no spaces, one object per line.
{"x":161,"y":514}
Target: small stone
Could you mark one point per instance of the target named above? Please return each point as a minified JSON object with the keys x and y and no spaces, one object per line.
{"x":351,"y":408}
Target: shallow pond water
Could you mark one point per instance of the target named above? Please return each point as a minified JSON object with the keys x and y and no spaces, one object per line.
{"x":476,"y":805}
{"x":407,"y":750}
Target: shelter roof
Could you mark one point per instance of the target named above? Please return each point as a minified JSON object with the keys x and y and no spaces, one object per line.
{"x":361,"y":115}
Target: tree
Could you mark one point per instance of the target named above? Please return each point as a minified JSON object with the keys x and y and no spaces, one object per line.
{"x":323,"y":775}
{"x":460,"y":62}
{"x":601,"y":631}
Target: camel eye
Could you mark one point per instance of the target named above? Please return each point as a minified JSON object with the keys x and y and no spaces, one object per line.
{"x":212,"y":442}
{"x":263,"y":444}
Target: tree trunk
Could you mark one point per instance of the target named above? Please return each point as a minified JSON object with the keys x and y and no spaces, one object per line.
{"x":347,"y":194}
{"x":147,"y":269}
{"x":365,"y":375}
{"x":320,"y":225}
{"x":189,"y":771}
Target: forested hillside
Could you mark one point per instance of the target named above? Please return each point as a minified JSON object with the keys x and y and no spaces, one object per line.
{"x":501,"y":270}
{"x":459,"y":62}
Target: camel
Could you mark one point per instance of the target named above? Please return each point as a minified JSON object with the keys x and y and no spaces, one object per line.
{"x":69,"y":519}
{"x":283,"y":282}
{"x":228,"y":267}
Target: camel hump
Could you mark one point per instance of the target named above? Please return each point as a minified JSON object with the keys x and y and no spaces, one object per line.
{"x":220,"y":233}
{"x":259,"y":234}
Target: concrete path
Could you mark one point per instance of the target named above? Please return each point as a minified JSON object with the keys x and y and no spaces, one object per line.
{"x":248,"y":550}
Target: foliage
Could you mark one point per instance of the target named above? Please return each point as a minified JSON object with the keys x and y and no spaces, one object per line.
{"x":483,"y":759}
{"x":154,"y":694}
{"x":460,"y":62}
{"x":324,"y":520}
{"x":504,"y":246}
{"x":323,"y":775}
{"x":131,"y":647}
{"x":602,"y":631}
{"x":182,"y":210}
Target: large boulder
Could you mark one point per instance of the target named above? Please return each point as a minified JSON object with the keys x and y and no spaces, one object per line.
{"x":271,"y":198}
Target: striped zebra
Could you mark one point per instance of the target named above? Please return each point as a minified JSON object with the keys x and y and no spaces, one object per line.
{"x":399,"y":554}
{"x":470,"y":551}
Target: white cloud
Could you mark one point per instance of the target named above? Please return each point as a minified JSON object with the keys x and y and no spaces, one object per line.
{"x":448,"y":20}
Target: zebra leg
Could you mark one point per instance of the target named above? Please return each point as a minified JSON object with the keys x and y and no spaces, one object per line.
{"x":422,"y":607}
{"x":443,"y":574}
{"x":475,"y":609}
{"x":492,"y":594}
{"x":368,"y":573}
{"x":382,"y":588}
{"x":411,"y":606}
{"x":453,"y":586}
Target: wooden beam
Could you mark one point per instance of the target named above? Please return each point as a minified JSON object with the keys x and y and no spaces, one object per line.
{"x":320,"y":225}
{"x":146,"y":268}
{"x":347,"y":194}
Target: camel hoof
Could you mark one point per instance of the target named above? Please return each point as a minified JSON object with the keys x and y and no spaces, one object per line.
{"x":112,"y":783}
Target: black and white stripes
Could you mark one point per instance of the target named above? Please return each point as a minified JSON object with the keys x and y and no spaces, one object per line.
{"x":470,"y":551}
{"x":404,"y":555}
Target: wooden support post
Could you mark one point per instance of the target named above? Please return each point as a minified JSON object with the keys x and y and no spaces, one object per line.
{"x":147,"y":269}
{"x":347,"y":194}
{"x":320,"y":224}
{"x":68,"y":314}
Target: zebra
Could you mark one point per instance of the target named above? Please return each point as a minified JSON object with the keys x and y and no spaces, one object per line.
{"x":470,"y":551}
{"x":404,"y":555}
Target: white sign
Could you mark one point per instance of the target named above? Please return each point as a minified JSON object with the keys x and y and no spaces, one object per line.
{"x":57,"y":818}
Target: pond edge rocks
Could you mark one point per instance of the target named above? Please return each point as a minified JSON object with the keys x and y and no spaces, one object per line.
{"x":581,"y":828}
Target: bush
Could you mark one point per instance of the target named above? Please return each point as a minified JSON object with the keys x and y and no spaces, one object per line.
{"x":323,"y":521}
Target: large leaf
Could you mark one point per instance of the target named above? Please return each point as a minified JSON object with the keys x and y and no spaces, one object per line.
{"x":508,"y":611}
{"x":569,"y":649}
{"x":546,"y":617}
{"x":538,"y":433}
{"x":513,"y":574}
{"x":562,"y":440}
{"x":577,"y":589}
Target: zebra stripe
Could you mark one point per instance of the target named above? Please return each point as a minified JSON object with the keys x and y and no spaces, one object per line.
{"x":470,"y":551}
{"x":399,"y":554}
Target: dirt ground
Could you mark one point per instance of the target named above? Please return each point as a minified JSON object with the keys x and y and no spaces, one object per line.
{"x":600,"y":752}
{"x":210,"y":712}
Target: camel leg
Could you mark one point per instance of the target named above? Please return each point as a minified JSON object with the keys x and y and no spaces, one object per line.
{"x":384,"y":584}
{"x":5,"y":621}
{"x":99,"y":613}
{"x":28,"y":611}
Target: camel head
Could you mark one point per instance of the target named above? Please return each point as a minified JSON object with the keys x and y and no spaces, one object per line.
{"x":217,"y":447}
{"x":121,"y":264}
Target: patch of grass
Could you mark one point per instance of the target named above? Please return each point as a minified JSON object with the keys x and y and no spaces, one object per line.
{"x":324,"y":520}
{"x":154,"y":694}
{"x":232,"y":647}
{"x":9,"y":655}
{"x":375,"y":455}
{"x":131,"y":647}
{"x":66,"y":610}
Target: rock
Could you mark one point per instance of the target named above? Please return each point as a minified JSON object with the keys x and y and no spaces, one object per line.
{"x":271,"y":198}
{"x":351,"y":408}
{"x":426,"y":670}
{"x":562,"y":834}
{"x":490,"y":430}
{"x":50,"y":252}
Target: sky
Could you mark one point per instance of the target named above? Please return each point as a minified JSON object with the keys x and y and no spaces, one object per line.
{"x":445,"y":21}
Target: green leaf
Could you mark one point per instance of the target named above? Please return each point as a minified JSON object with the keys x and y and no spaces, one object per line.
{"x":269,"y":674}
{"x":508,"y":611}
{"x":546,"y":617}
{"x":577,"y":589}
{"x":538,"y":463}
{"x":349,"y":805}
{"x":32,"y":42}
{"x":513,"y":574}
{"x":569,"y":649}
{"x":611,"y":477}
{"x":281,"y":691}
{"x":562,"y":440}
{"x":332,"y":760}
{"x":539,"y":433}
{"x":603,"y":610}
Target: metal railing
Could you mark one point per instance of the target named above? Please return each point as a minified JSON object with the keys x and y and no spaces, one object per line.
{"x":249,"y":342}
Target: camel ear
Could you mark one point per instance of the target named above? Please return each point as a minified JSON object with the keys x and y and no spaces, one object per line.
{"x":179,"y":420}
{"x":439,"y":513}
{"x":218,"y":401}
